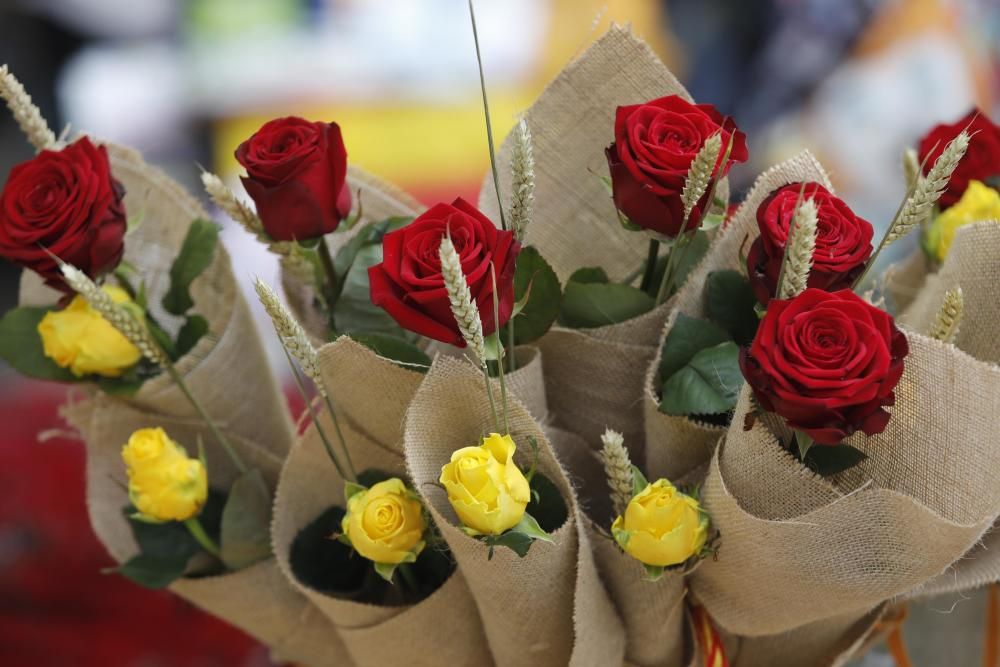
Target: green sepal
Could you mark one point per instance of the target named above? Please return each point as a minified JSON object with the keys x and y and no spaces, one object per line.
{"x":195,"y":256}
{"x":653,"y":572}
{"x":528,"y":526}
{"x":494,"y":348}
{"x":351,"y":489}
{"x":385,"y":570}
{"x":639,"y":481}
{"x":804,"y":443}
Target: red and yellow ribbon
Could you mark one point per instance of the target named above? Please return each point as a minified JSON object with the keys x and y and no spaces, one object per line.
{"x":708,"y":639}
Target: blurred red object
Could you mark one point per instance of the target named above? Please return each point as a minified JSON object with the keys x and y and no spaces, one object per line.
{"x":56,"y":607}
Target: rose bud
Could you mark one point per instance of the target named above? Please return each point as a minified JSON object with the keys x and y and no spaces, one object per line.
{"x":827,"y":362}
{"x":843,"y":241}
{"x":661,"y":526}
{"x":654,"y":146}
{"x":164,"y":483}
{"x":485,"y":487}
{"x":981,"y":161}
{"x":408,"y":283}
{"x":385,"y":523}
{"x":297,"y":177}
{"x":66,"y":203}
{"x":80,"y":339}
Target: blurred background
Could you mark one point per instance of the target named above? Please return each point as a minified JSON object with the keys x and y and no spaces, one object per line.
{"x":855,"y":81}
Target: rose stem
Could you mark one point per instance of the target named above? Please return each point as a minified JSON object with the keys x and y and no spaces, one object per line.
{"x":486,"y":112}
{"x":179,"y":381}
{"x":647,"y":276}
{"x":406,"y":574}
{"x":315,"y":420}
{"x":340,"y":435}
{"x":332,"y":288}
{"x":198,"y":533}
{"x":496,"y":332}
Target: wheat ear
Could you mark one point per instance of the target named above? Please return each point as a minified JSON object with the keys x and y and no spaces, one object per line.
{"x":462,"y":306}
{"x":522,"y":166}
{"x":800,"y":246}
{"x":618,"y":468}
{"x":27,"y":115}
{"x":949,"y":317}
{"x":700,"y":173}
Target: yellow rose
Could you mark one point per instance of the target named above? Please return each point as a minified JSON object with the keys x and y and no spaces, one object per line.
{"x":661,"y":526}
{"x":78,"y":338}
{"x":487,"y":490}
{"x":979,"y":202}
{"x":164,"y":483}
{"x":385,"y":523}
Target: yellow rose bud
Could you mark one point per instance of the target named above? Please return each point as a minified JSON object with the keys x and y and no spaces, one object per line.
{"x":385,"y":523}
{"x":979,"y":202}
{"x":78,"y":338}
{"x":487,"y":490}
{"x":164,"y":483}
{"x":661,"y":526}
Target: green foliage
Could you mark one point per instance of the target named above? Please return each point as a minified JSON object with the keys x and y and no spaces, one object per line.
{"x":589,"y":275}
{"x":825,"y":460}
{"x":686,"y":338}
{"x":194,"y":257}
{"x":708,"y":384}
{"x":590,"y":305}
{"x":395,"y":348}
{"x":246,"y":522}
{"x":536,"y":280}
{"x":195,"y":326}
{"x":729,"y":302}
{"x":21,"y":345}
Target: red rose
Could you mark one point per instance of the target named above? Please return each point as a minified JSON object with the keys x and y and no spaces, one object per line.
{"x":827,"y":362}
{"x":981,"y":161}
{"x":66,"y":203}
{"x":408,"y":283}
{"x":654,"y":145}
{"x":843,"y":241}
{"x":297,"y":177}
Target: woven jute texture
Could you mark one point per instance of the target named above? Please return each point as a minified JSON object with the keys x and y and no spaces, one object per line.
{"x":372,"y":634}
{"x":258,"y":599}
{"x":547,"y":608}
{"x":831,"y":642}
{"x":227,"y":371}
{"x":378,"y":200}
{"x":677,"y":445}
{"x":904,"y":280}
{"x":879,"y":530}
{"x":973,"y":263}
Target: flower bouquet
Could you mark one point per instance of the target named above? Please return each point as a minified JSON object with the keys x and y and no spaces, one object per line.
{"x":597,"y":419}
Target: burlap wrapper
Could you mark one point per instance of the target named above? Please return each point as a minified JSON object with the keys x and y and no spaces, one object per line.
{"x":372,"y":634}
{"x":258,"y":599}
{"x":593,"y":376}
{"x":798,"y":548}
{"x":227,"y":371}
{"x":379,"y":200}
{"x":548,"y":608}
{"x":677,"y":445}
{"x":904,"y":280}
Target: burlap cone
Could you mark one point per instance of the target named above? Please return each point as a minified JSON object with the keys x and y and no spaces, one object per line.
{"x":227,"y":371}
{"x":677,"y":445}
{"x":257,"y":599}
{"x":379,"y":200}
{"x":797,"y":548}
{"x":372,"y":634}
{"x":905,"y":280}
{"x":973,"y":263}
{"x":547,"y":608}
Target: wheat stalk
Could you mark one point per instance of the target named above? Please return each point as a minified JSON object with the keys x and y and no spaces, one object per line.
{"x":462,"y":306}
{"x":293,"y":337}
{"x":700,"y":173}
{"x":949,"y":317}
{"x":522,"y":166}
{"x":928,"y":190}
{"x":618,"y":468}
{"x":120,"y":318}
{"x":911,"y":166}
{"x":799,"y":248}
{"x":27,"y":115}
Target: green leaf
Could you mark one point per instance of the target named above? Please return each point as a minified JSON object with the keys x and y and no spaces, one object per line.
{"x":152,"y":571}
{"x":825,"y":460}
{"x":653,"y":572}
{"x":589,"y":275}
{"x":690,"y":258}
{"x":709,"y":384}
{"x":246,"y":522}
{"x":354,"y":311}
{"x":589,"y":305}
{"x":686,"y":338}
{"x":162,"y":338}
{"x":396,"y":349}
{"x":519,"y":543}
{"x":528,"y":526}
{"x":21,"y":346}
{"x":729,"y":302}
{"x":195,"y":326}
{"x":194,"y":257}
{"x":639,"y":481}
{"x":124,"y":386}
{"x":547,"y":505}
{"x":535,"y":280}
{"x":351,"y":489}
